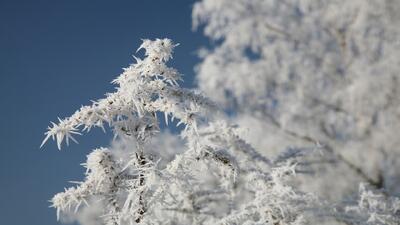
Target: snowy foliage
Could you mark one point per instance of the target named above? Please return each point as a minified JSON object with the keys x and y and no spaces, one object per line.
{"x":306,"y":73}
{"x":376,"y":208}
{"x":215,"y":178}
{"x":314,"y":84}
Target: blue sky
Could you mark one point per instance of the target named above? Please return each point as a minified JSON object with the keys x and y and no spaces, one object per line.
{"x":56,"y":55}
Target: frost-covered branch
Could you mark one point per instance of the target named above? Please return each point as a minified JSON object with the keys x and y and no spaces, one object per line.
{"x":210,"y":176}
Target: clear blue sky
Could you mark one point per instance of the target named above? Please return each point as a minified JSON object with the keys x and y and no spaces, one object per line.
{"x":56,"y":55}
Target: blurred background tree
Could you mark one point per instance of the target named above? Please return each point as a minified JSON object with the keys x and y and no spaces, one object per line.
{"x":303,"y":72}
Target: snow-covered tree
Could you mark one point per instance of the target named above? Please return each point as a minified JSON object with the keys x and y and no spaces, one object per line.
{"x":214,"y":177}
{"x":305,"y":73}
{"x":313,"y":86}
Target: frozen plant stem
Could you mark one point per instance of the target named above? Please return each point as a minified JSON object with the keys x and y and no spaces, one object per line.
{"x":206,"y":175}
